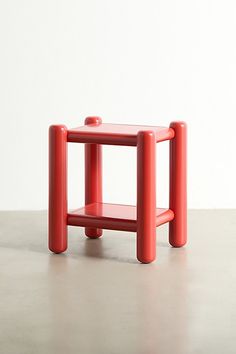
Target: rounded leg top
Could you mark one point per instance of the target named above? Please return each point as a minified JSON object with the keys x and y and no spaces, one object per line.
{"x":93,"y":120}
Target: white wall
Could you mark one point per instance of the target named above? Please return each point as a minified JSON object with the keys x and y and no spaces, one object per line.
{"x":128,"y":61}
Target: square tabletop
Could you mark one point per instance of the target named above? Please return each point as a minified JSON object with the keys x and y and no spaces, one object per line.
{"x":116,"y":134}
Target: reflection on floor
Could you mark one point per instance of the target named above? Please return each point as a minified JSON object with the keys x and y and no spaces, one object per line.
{"x":96,"y":298}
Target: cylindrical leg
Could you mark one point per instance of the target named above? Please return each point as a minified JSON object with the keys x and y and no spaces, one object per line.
{"x":57,"y":212}
{"x":178,"y":185}
{"x":146,"y":196}
{"x":93,"y":176}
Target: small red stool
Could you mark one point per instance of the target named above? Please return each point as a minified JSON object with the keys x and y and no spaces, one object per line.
{"x":96,"y":215}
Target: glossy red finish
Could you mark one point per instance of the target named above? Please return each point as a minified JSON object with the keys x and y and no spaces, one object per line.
{"x":146,"y":197}
{"x":113,"y":216}
{"x":96,"y":215}
{"x":178,"y":185}
{"x":57,"y":188}
{"x":93,"y":175}
{"x":115,"y":134}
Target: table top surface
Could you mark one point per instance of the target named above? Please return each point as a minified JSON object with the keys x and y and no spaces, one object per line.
{"x":119,"y":129}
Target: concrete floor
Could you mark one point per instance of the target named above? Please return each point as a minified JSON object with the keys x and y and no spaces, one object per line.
{"x":96,"y":299}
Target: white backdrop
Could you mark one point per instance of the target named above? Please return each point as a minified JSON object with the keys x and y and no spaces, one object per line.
{"x":128,"y":61}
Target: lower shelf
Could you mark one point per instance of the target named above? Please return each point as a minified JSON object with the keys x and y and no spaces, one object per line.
{"x":112,"y":216}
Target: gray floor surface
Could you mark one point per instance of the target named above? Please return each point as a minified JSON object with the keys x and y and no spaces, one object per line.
{"x":96,"y":298}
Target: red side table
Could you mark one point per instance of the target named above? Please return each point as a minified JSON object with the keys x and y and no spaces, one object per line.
{"x":96,"y":215}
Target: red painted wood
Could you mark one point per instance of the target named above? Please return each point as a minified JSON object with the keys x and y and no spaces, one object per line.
{"x":178,"y":185}
{"x":95,"y":215}
{"x":93,"y":175}
{"x":115,"y":134}
{"x":113,"y":216}
{"x":57,"y":188}
{"x":146,"y":196}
